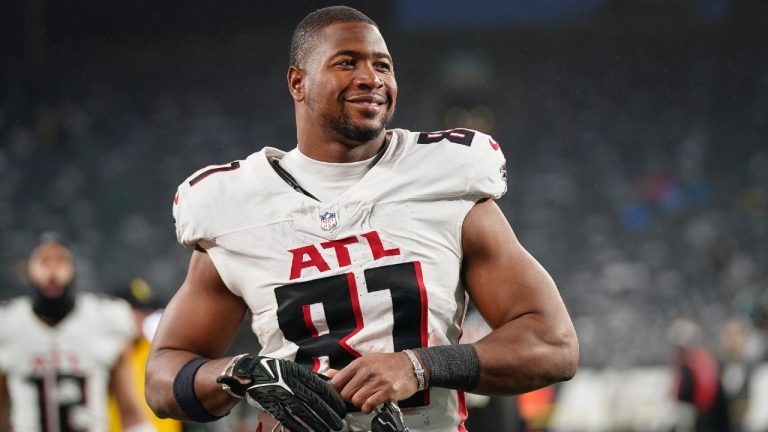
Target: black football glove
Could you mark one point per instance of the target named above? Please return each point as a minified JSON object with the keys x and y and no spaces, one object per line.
{"x":389,"y":419}
{"x":288,"y":392}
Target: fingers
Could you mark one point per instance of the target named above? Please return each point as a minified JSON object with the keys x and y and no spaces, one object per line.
{"x":354,"y":385}
{"x":340,"y":378}
{"x":317,"y":398}
{"x":316,"y":393}
{"x":374,"y":379}
{"x":283,"y":415}
{"x":305,"y":414}
{"x":294,"y":415}
{"x":372,"y":395}
{"x":368,"y":396}
{"x":321,"y":408}
{"x":351,"y":379}
{"x":371,"y":402}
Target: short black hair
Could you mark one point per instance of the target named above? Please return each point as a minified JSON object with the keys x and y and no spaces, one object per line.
{"x":305,"y":35}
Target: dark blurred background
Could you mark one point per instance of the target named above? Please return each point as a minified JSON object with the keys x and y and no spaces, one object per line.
{"x":635,"y":134}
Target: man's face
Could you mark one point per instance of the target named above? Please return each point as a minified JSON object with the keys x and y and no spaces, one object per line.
{"x":51,"y":269}
{"x":350,"y":81}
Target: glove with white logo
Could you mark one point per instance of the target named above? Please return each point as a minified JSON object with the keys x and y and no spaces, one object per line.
{"x":287,"y":391}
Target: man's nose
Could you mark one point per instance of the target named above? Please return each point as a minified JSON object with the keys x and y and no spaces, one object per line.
{"x":367,"y":76}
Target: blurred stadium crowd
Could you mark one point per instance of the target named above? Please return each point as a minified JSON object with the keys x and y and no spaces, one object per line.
{"x":637,"y":158}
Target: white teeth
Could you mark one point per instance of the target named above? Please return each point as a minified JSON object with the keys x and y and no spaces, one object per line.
{"x":368,"y":103}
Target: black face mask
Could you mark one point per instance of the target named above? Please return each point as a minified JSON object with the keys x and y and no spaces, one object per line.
{"x":55,"y":309}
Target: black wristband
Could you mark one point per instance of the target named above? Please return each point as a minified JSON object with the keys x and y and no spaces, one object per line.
{"x":451,"y":366}
{"x":184,"y":392}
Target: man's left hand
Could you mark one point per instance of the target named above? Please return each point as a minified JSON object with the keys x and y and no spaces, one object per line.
{"x":374,"y":379}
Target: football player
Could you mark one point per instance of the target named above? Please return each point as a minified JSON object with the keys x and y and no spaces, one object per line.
{"x":62,"y":352}
{"x":355,"y":256}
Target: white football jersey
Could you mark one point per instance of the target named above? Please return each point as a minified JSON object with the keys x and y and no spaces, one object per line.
{"x":58,"y":376}
{"x":374,"y":270}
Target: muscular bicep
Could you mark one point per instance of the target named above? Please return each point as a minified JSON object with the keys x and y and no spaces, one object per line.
{"x":504,"y":281}
{"x":533,"y":342}
{"x":203,"y":316}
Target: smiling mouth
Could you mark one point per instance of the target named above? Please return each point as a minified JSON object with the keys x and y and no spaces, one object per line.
{"x":368,"y":108}
{"x":367,"y":103}
{"x":367,"y":100}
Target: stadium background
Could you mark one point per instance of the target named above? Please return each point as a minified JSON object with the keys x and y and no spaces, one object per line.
{"x":635,"y":134}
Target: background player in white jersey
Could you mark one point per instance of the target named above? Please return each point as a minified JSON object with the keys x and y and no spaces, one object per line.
{"x":61,"y":352}
{"x":355,"y":255}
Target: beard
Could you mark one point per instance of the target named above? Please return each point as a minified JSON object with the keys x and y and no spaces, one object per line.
{"x":54,"y":308}
{"x":343,"y":125}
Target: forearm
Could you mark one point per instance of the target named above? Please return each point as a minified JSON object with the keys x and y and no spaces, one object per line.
{"x":123,"y":388}
{"x":4,"y":410}
{"x":525,"y":354}
{"x":162,"y":368}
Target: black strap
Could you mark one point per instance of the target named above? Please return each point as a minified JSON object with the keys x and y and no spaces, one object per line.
{"x":288,"y":178}
{"x":451,"y":366}
{"x":184,"y":392}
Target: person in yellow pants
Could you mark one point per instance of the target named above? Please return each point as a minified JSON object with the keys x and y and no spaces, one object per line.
{"x":139,"y":294}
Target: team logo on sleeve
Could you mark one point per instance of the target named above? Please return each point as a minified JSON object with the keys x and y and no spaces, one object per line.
{"x":494,"y":144}
{"x":328,"y":220}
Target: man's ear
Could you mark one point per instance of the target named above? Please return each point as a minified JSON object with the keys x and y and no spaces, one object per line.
{"x":296,"y":83}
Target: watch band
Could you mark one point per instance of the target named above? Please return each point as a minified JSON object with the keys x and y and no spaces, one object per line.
{"x":417,"y":369}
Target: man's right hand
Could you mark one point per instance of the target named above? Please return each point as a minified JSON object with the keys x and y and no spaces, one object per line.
{"x":287,"y":391}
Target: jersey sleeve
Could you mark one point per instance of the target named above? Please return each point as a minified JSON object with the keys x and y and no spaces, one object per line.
{"x":122,"y":317}
{"x":188,"y":232}
{"x":114,"y":319}
{"x":193,"y":205}
{"x":488,"y":178}
{"x":197,"y":206}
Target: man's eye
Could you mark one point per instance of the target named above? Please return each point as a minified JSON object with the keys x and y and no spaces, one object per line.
{"x":384,"y":66}
{"x":346,"y":63}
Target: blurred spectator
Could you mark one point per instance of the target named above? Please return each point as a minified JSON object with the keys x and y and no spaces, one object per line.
{"x":63,"y":351}
{"x":742,"y":351}
{"x":698,"y":378}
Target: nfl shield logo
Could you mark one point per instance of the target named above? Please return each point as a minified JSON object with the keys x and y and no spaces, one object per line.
{"x":328,"y":220}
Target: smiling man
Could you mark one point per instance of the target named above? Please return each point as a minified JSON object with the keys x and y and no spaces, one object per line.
{"x":355,"y":255}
